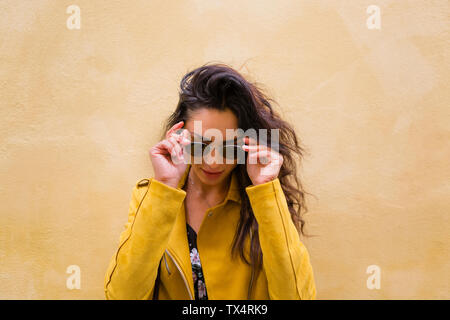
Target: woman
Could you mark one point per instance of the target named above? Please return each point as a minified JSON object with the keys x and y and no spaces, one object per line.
{"x":212,"y":229}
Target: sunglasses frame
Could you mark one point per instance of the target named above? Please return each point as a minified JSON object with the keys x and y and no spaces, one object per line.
{"x":221,"y":148}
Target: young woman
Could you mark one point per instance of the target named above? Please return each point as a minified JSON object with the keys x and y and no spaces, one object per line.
{"x":212,"y":229}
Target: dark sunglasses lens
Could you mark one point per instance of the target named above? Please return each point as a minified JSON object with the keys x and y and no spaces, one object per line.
{"x":233,"y":152}
{"x":196,"y":149}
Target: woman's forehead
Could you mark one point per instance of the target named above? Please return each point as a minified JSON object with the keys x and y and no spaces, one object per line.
{"x":202,"y":121}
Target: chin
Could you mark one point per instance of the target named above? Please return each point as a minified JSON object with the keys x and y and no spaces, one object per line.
{"x":212,"y":180}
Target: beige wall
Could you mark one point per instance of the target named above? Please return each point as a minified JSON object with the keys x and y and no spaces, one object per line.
{"x":80,"y":109}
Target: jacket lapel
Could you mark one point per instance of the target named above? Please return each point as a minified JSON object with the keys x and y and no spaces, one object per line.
{"x":178,"y":245}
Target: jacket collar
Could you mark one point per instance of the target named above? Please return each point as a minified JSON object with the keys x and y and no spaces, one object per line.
{"x":178,"y":245}
{"x":233,"y":190}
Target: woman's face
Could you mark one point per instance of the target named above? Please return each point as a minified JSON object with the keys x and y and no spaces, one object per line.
{"x":212,"y":162}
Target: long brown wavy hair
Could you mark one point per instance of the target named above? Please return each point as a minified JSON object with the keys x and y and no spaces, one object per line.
{"x":218,"y":86}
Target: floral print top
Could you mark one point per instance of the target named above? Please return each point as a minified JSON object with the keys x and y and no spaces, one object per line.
{"x":197,"y":272}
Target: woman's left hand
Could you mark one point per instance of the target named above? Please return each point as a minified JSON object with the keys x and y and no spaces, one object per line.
{"x":263,"y":163}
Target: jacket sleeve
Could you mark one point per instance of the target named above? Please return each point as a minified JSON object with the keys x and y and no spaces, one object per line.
{"x":286,"y":261}
{"x":133,"y":269}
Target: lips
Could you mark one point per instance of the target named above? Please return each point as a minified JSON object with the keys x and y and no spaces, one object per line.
{"x":212,"y":173}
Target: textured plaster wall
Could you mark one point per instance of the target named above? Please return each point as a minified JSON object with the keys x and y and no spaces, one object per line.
{"x":80,"y":109}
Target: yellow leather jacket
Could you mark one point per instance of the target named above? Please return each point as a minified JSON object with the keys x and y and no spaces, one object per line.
{"x":156,"y":232}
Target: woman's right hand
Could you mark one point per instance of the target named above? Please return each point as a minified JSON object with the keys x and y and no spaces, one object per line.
{"x":167,"y":156}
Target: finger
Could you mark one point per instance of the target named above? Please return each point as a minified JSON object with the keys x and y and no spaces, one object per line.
{"x":174,"y":127}
{"x":252,"y":158}
{"x":183,"y":136}
{"x":164,"y":147}
{"x":262,"y":157}
{"x":253,"y":144}
{"x":175,"y":144}
{"x":252,"y":148}
{"x":177,"y":150}
{"x":186,"y":135}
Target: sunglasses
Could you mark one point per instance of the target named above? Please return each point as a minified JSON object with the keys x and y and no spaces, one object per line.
{"x":229,"y":151}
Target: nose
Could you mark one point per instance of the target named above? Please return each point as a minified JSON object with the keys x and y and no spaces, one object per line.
{"x":213,"y":159}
